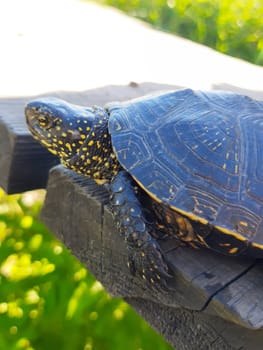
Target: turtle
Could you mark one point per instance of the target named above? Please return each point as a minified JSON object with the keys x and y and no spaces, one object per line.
{"x":182,"y":164}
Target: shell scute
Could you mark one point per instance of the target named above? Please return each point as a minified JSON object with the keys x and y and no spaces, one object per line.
{"x":199,"y":152}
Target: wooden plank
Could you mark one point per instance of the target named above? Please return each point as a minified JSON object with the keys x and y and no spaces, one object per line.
{"x":203,"y":273}
{"x":24,"y":163}
{"x":83,"y":222}
{"x":242,"y":299}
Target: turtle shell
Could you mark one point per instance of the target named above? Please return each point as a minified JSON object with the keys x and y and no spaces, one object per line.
{"x":201,"y":153}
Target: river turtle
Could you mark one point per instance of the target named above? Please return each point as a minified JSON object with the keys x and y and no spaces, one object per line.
{"x":184,"y":163}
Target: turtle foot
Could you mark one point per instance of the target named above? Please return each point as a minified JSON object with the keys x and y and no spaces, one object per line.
{"x":144,"y":253}
{"x":147,"y":262}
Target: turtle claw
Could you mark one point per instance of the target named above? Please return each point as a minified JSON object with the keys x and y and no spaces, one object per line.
{"x":147,"y":262}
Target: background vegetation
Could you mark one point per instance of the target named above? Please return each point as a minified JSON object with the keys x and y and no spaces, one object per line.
{"x":233,"y":27}
{"x":48,"y":300}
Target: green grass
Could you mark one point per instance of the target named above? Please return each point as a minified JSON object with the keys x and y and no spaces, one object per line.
{"x":233,"y":27}
{"x":48,"y":300}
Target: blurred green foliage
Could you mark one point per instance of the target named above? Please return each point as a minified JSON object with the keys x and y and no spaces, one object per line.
{"x":233,"y":27}
{"x":48,"y":300}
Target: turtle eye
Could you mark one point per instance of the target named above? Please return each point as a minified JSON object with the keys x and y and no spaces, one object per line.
{"x":44,"y":121}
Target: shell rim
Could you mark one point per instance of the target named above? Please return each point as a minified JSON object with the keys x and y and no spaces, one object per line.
{"x":203,"y":221}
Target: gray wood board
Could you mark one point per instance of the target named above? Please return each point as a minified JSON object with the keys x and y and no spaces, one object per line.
{"x":75,"y":211}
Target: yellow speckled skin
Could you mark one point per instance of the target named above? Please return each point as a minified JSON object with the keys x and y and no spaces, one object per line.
{"x":78,"y":136}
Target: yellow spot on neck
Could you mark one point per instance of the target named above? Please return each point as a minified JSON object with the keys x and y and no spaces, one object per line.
{"x":68,"y":146}
{"x":91,"y":142}
{"x":52,"y":151}
{"x":46,"y":144}
{"x":100,"y":181}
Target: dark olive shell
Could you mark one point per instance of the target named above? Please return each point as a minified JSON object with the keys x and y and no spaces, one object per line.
{"x":201,"y":153}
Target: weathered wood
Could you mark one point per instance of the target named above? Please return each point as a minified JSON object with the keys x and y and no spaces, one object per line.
{"x":214,"y":302}
{"x":232,"y":301}
{"x":24,"y":163}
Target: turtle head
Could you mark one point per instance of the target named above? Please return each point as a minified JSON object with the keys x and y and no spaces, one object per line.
{"x":59,"y":126}
{"x":77,"y":135}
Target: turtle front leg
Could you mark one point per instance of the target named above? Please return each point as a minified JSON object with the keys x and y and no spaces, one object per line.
{"x":144,"y":253}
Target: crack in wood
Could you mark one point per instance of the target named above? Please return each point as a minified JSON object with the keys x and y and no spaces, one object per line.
{"x":226,"y":285}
